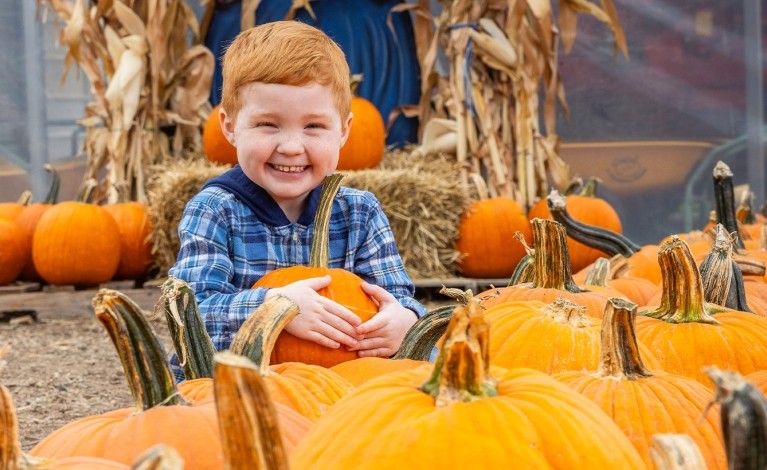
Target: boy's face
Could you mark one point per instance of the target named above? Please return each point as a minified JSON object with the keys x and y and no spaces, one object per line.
{"x":287,"y":138}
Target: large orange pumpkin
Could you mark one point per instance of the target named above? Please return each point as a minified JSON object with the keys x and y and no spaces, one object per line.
{"x":486,"y":238}
{"x":686,"y":333}
{"x":76,"y":243}
{"x":365,"y":146}
{"x":589,"y":209}
{"x":462,"y":413}
{"x":135,"y":249}
{"x":641,"y":402}
{"x":217,"y":149}
{"x":29,"y":217}
{"x":344,"y":288}
{"x":14,"y":250}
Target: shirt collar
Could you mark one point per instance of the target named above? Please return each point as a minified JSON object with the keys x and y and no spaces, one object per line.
{"x":261,"y":202}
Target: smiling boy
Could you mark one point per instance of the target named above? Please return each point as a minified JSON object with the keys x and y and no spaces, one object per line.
{"x":285,"y":108}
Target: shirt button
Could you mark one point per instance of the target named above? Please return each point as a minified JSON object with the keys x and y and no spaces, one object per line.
{"x":295,"y":236}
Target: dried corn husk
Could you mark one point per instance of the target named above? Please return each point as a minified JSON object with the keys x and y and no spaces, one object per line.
{"x":149,"y":85}
{"x":499,"y":55}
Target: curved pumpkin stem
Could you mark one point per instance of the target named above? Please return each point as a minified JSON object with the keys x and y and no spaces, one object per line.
{"x":141,"y":354}
{"x":53,"y":192}
{"x":722,"y":278}
{"x":24,"y":198}
{"x":318,"y":256}
{"x":159,"y":457}
{"x":599,"y":273}
{"x":250,"y":432}
{"x":194,"y":347}
{"x":257,"y":336}
{"x":10,"y":449}
{"x":602,"y":239}
{"x":462,"y":369}
{"x":725,"y":201}
{"x":682,"y":300}
{"x":524,"y":271}
{"x":552,"y":261}
{"x":676,"y":452}
{"x":421,"y":338}
{"x":619,"y":349}
{"x":589,"y":188}
{"x":744,"y":420}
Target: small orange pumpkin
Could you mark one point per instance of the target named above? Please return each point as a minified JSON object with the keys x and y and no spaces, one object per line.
{"x":217,"y":149}
{"x":365,"y":146}
{"x":29,"y":217}
{"x":14,"y":250}
{"x":135,"y":249}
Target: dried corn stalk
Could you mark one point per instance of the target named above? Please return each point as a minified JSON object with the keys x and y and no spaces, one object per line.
{"x":149,"y":85}
{"x":485,"y":108}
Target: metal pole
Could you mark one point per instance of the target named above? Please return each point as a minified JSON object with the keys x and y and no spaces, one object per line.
{"x":37,"y":134}
{"x":752,"y":33}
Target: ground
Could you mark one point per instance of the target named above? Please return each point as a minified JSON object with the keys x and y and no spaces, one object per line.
{"x":59,"y":370}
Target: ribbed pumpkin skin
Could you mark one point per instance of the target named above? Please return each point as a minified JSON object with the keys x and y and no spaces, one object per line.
{"x":135,"y":250}
{"x":122,"y":435}
{"x":76,"y":243}
{"x":662,"y":403}
{"x":737,"y":343}
{"x":594,"y":301}
{"x":367,"y":137}
{"x":27,"y":220}
{"x":523,"y":334}
{"x":360,"y":370}
{"x":588,"y":210}
{"x":344,"y":289}
{"x":532,"y":422}
{"x":308,"y":390}
{"x":14,"y":250}
{"x":217,"y":149}
{"x":759,"y":380}
{"x":486,"y":238}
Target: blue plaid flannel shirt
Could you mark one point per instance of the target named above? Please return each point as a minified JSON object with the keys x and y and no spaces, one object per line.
{"x":225,"y":249}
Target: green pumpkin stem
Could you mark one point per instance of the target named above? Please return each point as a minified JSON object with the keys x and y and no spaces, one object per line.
{"x":552,"y":261}
{"x":743,"y":418}
{"x":141,"y":354}
{"x":250,"y":431}
{"x":619,"y":349}
{"x":257,"y":336}
{"x":676,"y":452}
{"x":318,"y":256}
{"x":524,"y":271}
{"x":722,"y":278}
{"x":599,"y":273}
{"x":421,"y":338}
{"x":462,"y":369}
{"x":53,"y":192}
{"x":725,"y":201}
{"x":193,"y":346}
{"x":589,"y":188}
{"x":599,"y":238}
{"x":682,"y":300}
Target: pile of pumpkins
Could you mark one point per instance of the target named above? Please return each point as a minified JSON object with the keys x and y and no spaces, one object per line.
{"x":73,"y":242}
{"x":558,"y":371}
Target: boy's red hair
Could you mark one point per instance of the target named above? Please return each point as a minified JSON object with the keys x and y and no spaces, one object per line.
{"x":288,"y":53}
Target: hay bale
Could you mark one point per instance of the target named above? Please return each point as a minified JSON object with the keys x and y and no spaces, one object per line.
{"x":422,"y":197}
{"x":170,"y":188}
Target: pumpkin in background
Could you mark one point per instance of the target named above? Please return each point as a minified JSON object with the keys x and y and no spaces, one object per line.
{"x":462,"y":413}
{"x":687,"y":334}
{"x":29,"y":217}
{"x":135,"y":249}
{"x":587,"y":208}
{"x":217,"y":149}
{"x":487,"y":236}
{"x":646,"y":402}
{"x":601,"y":274}
{"x":14,"y":250}
{"x":365,"y":146}
{"x":76,"y":243}
{"x":10,"y":210}
{"x":345,"y":288}
{"x":359,"y":371}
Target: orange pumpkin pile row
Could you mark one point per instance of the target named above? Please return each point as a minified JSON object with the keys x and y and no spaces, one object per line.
{"x":73,"y":242}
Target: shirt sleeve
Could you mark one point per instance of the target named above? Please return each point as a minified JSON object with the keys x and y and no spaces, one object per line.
{"x":378,"y":261}
{"x":203,"y":262}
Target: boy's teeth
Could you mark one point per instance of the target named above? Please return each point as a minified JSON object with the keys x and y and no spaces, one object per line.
{"x":289,"y":169}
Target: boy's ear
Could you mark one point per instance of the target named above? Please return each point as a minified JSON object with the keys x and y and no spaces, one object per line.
{"x":227,"y":125}
{"x":345,"y":129}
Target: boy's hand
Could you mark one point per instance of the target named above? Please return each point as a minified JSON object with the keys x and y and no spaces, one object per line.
{"x":320,"y":320}
{"x":386,"y":330}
